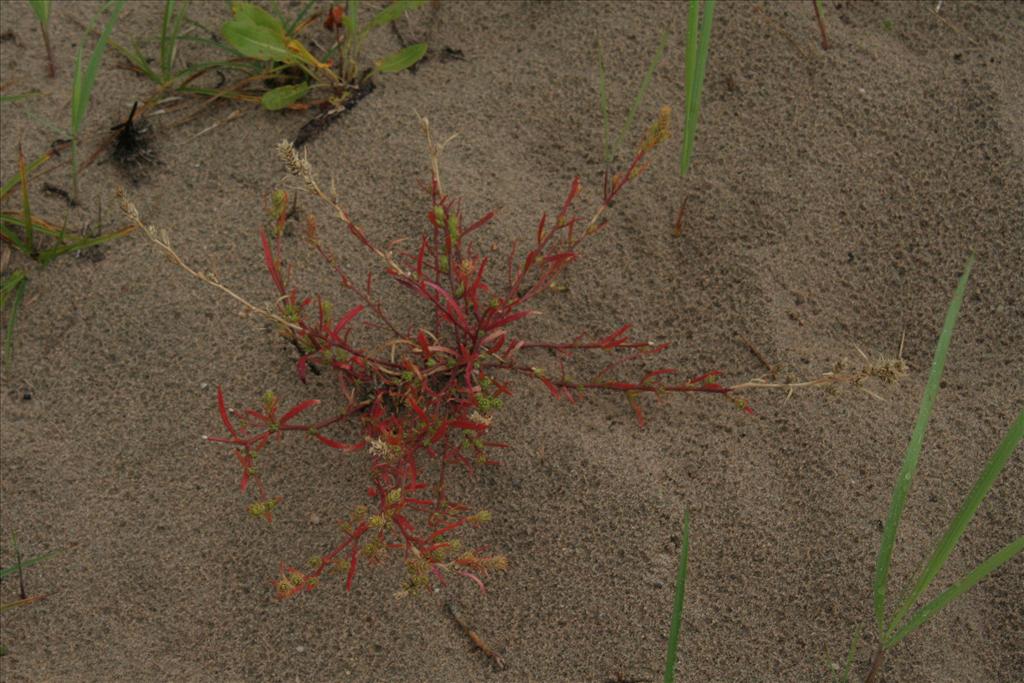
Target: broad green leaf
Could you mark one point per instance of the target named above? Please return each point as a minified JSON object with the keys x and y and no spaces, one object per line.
{"x":258,"y":42}
{"x":279,"y":98}
{"x":393,"y":12}
{"x":403,"y":59}
{"x":246,"y":12}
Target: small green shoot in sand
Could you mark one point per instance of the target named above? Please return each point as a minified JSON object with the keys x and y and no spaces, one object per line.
{"x":81,"y":88}
{"x":41,"y":8}
{"x":677,"y":604}
{"x":698,"y":42}
{"x":18,"y":568}
{"x":907,"y":618}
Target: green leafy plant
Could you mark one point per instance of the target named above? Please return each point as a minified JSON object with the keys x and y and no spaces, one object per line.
{"x":18,"y":568}
{"x":677,"y":604}
{"x":41,"y":8}
{"x":82,"y":85}
{"x":36,"y":238}
{"x":698,"y":43}
{"x":908,"y":616}
{"x":350,"y":35}
{"x":275,"y":66}
{"x":424,"y":397}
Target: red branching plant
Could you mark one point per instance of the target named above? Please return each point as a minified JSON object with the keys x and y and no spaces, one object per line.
{"x":424,"y":409}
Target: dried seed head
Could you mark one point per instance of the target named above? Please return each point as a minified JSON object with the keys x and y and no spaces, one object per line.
{"x":127,"y":207}
{"x":659,"y":130}
{"x":298,"y":166}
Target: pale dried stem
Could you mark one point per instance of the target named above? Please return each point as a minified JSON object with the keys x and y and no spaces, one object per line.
{"x":300,"y":167}
{"x":889,"y":370}
{"x":161,"y":240}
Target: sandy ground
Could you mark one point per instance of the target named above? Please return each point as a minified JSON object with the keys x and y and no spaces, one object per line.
{"x":833,"y":201}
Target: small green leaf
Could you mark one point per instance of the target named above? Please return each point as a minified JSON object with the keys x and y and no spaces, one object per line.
{"x":279,"y":98}
{"x":403,"y":59}
{"x":393,"y":12}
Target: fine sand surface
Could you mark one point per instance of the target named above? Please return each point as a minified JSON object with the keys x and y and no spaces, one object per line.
{"x":834,"y":199}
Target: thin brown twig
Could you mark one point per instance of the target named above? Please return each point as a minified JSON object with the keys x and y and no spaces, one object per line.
{"x":477,"y":641}
{"x":753,"y":349}
{"x":678,"y":228}
{"x":876,"y":665}
{"x":821,"y":24}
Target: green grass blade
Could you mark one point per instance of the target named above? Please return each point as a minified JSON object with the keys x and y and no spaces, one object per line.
{"x":136,"y":59}
{"x":677,"y":605}
{"x":11,"y":235}
{"x":627,"y":127}
{"x":16,"y":282}
{"x":963,"y":518}
{"x":84,"y":82}
{"x":909,"y":467}
{"x":290,"y":28}
{"x":20,"y":96}
{"x":170,"y":29}
{"x":16,"y":180}
{"x":968,"y":582}
{"x":854,"y":644}
{"x":25,"y":564}
{"x":697,"y":49}
{"x":82,"y":85}
{"x":41,"y":9}
{"x":84,"y":243}
{"x":26,"y":208}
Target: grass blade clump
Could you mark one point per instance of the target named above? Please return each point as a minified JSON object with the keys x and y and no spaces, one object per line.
{"x":905,"y":620}
{"x":677,"y":605}
{"x":170,"y":29}
{"x":698,"y":42}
